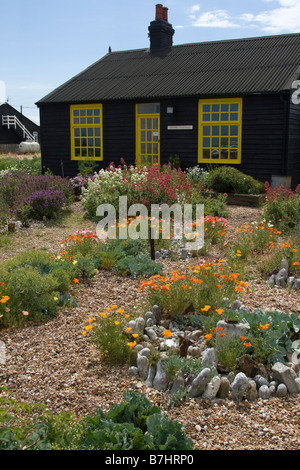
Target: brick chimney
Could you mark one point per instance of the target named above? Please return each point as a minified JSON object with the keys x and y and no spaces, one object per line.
{"x":160,"y":30}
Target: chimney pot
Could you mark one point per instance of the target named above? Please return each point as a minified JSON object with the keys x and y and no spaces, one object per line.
{"x":159,"y":12}
{"x":165,"y":13}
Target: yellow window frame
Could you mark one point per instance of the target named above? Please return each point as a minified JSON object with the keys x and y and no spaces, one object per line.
{"x":86,"y":131}
{"x":221,"y":146}
{"x":141,"y":158}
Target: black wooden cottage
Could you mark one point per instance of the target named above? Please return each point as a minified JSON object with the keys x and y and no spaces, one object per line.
{"x":221,"y":102}
{"x":15,"y":128}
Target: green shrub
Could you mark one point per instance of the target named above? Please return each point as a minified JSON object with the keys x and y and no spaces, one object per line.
{"x":133,"y":424}
{"x":140,"y":265}
{"x":282,"y":208}
{"x":226,"y":179}
{"x":35,"y":284}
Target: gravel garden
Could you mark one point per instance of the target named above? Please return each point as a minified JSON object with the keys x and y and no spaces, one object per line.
{"x":201,"y":343}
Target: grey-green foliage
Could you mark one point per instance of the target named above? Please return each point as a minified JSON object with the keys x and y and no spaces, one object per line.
{"x":133,"y":424}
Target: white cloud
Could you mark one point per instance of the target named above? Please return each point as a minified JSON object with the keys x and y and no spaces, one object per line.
{"x":283,"y":17}
{"x":215,"y":19}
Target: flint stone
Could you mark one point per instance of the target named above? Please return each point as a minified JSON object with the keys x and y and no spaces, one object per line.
{"x":151,"y":333}
{"x":282,"y":390}
{"x":160,"y":381}
{"x":247,"y":365}
{"x":156,"y":310}
{"x":194,"y":351}
{"x":212,"y":388}
{"x":285,"y":265}
{"x":133,"y":371}
{"x":199,"y":383}
{"x":282,"y":273}
{"x":296,"y":284}
{"x":224,"y":388}
{"x":145,"y":352}
{"x":151,"y":375}
{"x":297,"y":380}
{"x":251,"y":393}
{"x":143,"y":366}
{"x":272,"y":279}
{"x":149,"y":315}
{"x":283,"y":374}
{"x":209,"y":358}
{"x":260,"y":380}
{"x":179,"y":383}
{"x":239,"y":387}
{"x":264,"y":392}
{"x":236,"y":305}
{"x":139,"y":325}
{"x":238,"y":329}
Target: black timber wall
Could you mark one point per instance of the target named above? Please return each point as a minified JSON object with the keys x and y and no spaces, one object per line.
{"x":12,"y":136}
{"x":264,"y":143}
{"x":293,"y":160}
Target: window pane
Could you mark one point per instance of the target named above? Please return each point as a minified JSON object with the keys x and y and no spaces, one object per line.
{"x":215,"y":117}
{"x":233,"y":130}
{"x":149,"y":149}
{"x":77,"y":132}
{"x":143,"y":136}
{"x":97,"y":131}
{"x":224,"y":130}
{"x":76,"y":120}
{"x":76,"y":112}
{"x":90,"y":142}
{"x":224,"y":142}
{"x":82,"y":112}
{"x":225,"y":108}
{"x":155,"y":123}
{"x":215,"y":108}
{"x":82,"y":120}
{"x":215,"y":130}
{"x":206,"y":153}
{"x":149,"y":123}
{"x":206,"y":142}
{"x":149,"y":108}
{"x":149,"y":136}
{"x":234,"y":107}
{"x":234,"y":116}
{"x":215,"y":153}
{"x":206,"y":130}
{"x":206,"y":117}
{"x":215,"y":142}
{"x":224,"y":154}
{"x":224,"y":117}
{"x":89,"y":112}
{"x":90,"y":132}
{"x":206,"y":108}
{"x":97,"y":120}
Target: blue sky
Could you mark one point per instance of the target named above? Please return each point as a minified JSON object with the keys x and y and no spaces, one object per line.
{"x":44,"y":43}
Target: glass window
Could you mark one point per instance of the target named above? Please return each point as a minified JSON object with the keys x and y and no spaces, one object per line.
{"x":220,"y":128}
{"x":149,"y":108}
{"x":86,"y":131}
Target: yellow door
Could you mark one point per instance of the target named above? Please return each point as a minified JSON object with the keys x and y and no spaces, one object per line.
{"x":147,"y":134}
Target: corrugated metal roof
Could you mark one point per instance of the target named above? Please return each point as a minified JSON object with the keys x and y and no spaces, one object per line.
{"x":229,"y":67}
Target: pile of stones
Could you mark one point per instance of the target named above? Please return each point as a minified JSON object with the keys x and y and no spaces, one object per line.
{"x":282,"y":278}
{"x":249,"y":382}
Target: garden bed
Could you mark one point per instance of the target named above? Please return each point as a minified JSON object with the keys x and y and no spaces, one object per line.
{"x":247,"y":200}
{"x":64,"y":371}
